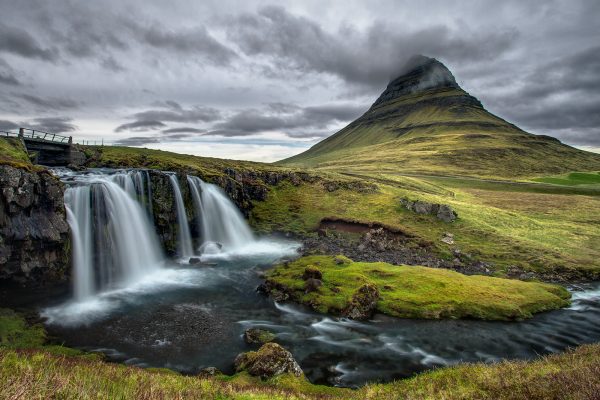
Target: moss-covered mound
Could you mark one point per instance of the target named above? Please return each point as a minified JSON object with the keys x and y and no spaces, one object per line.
{"x":338,"y":285}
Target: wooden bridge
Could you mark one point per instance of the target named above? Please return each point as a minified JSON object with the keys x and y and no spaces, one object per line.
{"x":48,"y":148}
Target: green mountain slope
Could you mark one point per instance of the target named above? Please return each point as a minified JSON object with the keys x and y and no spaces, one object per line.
{"x":425,"y":123}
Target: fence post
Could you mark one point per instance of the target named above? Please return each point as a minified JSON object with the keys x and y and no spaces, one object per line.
{"x":21,"y":132}
{"x":70,"y":139}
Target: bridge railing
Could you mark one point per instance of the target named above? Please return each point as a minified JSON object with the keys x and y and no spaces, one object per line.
{"x":9,"y":133}
{"x":41,"y":135}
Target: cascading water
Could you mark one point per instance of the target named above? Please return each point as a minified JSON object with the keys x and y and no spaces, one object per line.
{"x":219,"y":220}
{"x":137,"y":184}
{"x":184,"y":238}
{"x":114,"y":243}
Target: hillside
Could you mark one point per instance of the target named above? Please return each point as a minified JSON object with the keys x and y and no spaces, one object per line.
{"x":425,"y":123}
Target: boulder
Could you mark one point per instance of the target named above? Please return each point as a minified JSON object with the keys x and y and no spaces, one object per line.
{"x":443,"y":212}
{"x":446,"y":213}
{"x":363,"y":303}
{"x":258,"y":336}
{"x":194,"y":260}
{"x":269,"y":361}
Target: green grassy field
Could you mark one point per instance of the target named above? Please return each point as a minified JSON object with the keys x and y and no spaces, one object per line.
{"x":542,"y":228}
{"x":415,"y":292}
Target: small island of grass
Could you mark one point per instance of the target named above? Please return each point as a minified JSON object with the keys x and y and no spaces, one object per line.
{"x":340,"y":286}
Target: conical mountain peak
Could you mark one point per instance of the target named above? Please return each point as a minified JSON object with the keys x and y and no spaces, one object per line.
{"x":419,"y":74}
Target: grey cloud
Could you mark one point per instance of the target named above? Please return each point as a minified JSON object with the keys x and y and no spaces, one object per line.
{"x":140,"y":126}
{"x":7,"y":74}
{"x":540,"y":104}
{"x":293,"y":120}
{"x":190,"y":42}
{"x":137,"y":141}
{"x":179,"y":136}
{"x":174,"y":112}
{"x":52,"y":124}
{"x":48,"y":103}
{"x":173,"y":131}
{"x":369,"y":58}
{"x":16,"y":40}
{"x":7,"y":125}
{"x":111,"y":64}
{"x":170,"y":111}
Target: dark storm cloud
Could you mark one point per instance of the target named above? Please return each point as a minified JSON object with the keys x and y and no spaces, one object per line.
{"x":561,"y":97}
{"x":137,"y":141}
{"x":16,"y":40}
{"x":140,"y":126}
{"x":371,"y":57}
{"x":52,"y":124}
{"x":48,"y":103}
{"x":536,"y":65}
{"x":170,"y":111}
{"x":184,"y":129}
{"x":189,"y":42}
{"x":173,"y":112}
{"x":8,"y":74}
{"x":7,"y":125}
{"x":293,"y":120}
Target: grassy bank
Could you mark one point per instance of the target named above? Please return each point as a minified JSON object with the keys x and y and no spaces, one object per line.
{"x":413,"y":292}
{"x":36,"y":374}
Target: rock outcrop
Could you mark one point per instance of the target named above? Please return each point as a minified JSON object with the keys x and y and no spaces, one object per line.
{"x":34,"y":234}
{"x":443,"y":212}
{"x":269,"y":361}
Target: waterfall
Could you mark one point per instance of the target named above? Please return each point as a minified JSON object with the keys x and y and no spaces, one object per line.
{"x":114,"y":242}
{"x":219,"y":219}
{"x":184,"y":238}
{"x":79,"y":199}
{"x":137,"y":184}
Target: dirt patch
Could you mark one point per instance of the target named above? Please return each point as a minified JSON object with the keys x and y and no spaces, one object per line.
{"x":372,"y":242}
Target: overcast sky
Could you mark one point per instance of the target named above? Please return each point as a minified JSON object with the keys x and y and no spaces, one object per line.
{"x":263,"y":81}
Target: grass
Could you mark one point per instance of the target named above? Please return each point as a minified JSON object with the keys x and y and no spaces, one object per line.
{"x":416,"y":292}
{"x":14,"y":154}
{"x":573,"y":179}
{"x":36,"y":374}
{"x":547,"y":229}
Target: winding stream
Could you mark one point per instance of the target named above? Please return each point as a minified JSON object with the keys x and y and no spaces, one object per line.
{"x":188,"y":317}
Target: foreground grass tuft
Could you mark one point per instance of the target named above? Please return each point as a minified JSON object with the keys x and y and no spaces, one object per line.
{"x":412,"y":291}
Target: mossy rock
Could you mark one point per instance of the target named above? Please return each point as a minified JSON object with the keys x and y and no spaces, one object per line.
{"x":258,"y":336}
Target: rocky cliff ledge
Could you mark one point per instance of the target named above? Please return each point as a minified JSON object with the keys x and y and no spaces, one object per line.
{"x":34,"y":234}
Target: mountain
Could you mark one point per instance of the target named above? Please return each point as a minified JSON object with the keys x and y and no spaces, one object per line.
{"x":424,"y":122}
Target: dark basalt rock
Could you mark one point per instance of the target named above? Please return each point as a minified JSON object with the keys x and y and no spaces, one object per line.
{"x":34,"y":234}
{"x":269,"y":361}
{"x":419,"y":74}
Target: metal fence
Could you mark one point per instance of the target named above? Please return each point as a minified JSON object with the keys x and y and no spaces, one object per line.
{"x":41,"y":135}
